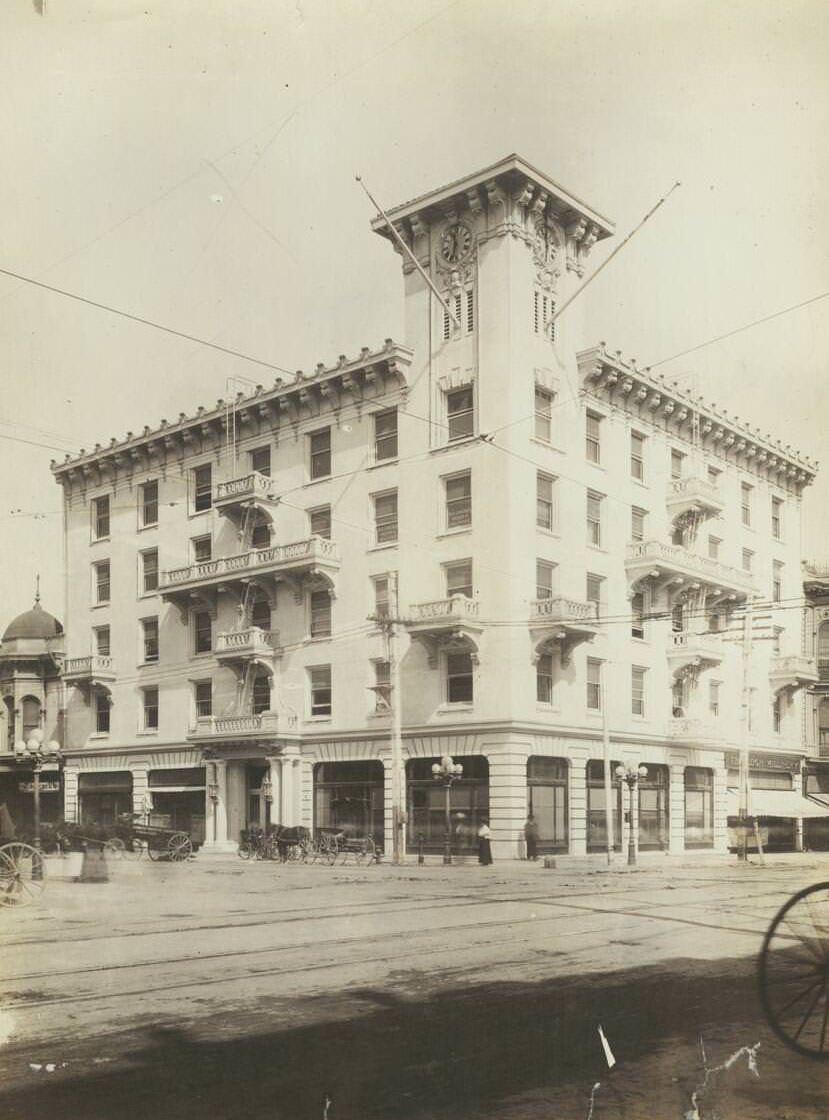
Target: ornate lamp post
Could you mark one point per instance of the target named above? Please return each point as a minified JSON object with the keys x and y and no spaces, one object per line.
{"x":35,"y":755}
{"x":267,"y":793}
{"x":447,"y":771}
{"x":631,"y":775}
{"x":213,"y":794}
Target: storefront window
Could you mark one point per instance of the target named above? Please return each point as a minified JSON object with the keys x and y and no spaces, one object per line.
{"x":699,"y":807}
{"x":178,"y":800}
{"x":348,"y":796}
{"x":469,"y":804}
{"x":596,"y":821}
{"x":547,"y":801}
{"x":103,"y":797}
{"x":653,"y":809}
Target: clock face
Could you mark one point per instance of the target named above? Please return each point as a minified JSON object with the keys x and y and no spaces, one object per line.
{"x":456,"y":243}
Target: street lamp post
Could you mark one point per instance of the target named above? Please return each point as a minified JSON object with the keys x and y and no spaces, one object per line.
{"x":36,"y":754}
{"x":447,"y":771}
{"x":630,"y":775}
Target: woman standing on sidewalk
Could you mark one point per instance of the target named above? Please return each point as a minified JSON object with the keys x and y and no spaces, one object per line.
{"x":484,"y":845}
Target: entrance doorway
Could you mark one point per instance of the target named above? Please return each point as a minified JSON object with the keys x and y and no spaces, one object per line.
{"x":653,"y":809}
{"x":258,"y":806}
{"x":547,"y":801}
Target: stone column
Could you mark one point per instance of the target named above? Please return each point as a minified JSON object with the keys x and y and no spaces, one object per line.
{"x":141,"y":795}
{"x":676,"y":808}
{"x":217,"y":838}
{"x":720,"y":809}
{"x":289,"y":807}
{"x":577,"y":804}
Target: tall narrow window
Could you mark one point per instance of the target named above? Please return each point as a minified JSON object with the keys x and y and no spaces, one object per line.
{"x":677,"y":464}
{"x":460,"y":414}
{"x":260,"y":460}
{"x":261,"y":694}
{"x":459,"y":678}
{"x":320,"y":607}
{"x":382,"y":596}
{"x":149,"y":570}
{"x":637,"y":690}
{"x":150,"y":709}
{"x":148,"y":504}
{"x":593,"y":438}
{"x":260,"y":613}
{"x":545,"y":506}
{"x":385,"y":435}
{"x":544,"y":679}
{"x":470,"y":311}
{"x":637,"y":456}
{"x":777,"y":518}
{"x":149,"y":629}
{"x":544,"y":575}
{"x":459,"y":579}
{"x":382,"y":686}
{"x":637,"y":524}
{"x":714,"y":698}
{"x":748,"y":560}
{"x":777,"y":714}
{"x":102,"y":708}
{"x":543,"y":414}
{"x":595,"y":586}
{"x":594,"y":518}
{"x":202,"y":479}
{"x":594,"y":685}
{"x":776,"y":581}
{"x":714,"y":476}
{"x":458,"y":500}
{"x":637,"y":610}
{"x":320,"y":522}
{"x":202,"y":632}
{"x":385,"y":517}
{"x":102,"y":587}
{"x":745,"y":502}
{"x":102,"y":641}
{"x":100,"y":518}
{"x":203,"y":698}
{"x":261,"y":535}
{"x":544,"y":310}
{"x":319,"y":445}
{"x":321,"y":695}
{"x":714,"y":548}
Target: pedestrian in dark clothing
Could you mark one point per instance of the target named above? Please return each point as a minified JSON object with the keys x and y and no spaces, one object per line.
{"x":484,"y":845}
{"x":531,"y":837}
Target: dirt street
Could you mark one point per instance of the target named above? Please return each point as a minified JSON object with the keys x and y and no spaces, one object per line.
{"x":224,"y":990}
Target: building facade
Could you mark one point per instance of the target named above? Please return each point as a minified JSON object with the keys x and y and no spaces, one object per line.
{"x":816,"y":707}
{"x":569,"y":545}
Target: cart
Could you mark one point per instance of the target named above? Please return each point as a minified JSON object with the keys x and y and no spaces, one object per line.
{"x":22,"y":869}
{"x":332,"y":843}
{"x":161,"y":843}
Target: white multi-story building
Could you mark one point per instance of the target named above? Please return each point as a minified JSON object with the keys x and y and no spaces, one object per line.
{"x":573,"y":541}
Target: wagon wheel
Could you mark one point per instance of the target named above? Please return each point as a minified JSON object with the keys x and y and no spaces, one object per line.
{"x":179,"y":847}
{"x":135,"y":848}
{"x":328,"y":849}
{"x":304,"y":851}
{"x":21,"y":875}
{"x":245,"y":850}
{"x":155,"y":853}
{"x":272,"y":848}
{"x":296,"y":852}
{"x":115,"y":847}
{"x":794,"y":972}
{"x":370,"y":850}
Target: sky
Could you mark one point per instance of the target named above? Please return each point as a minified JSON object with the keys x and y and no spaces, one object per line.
{"x":194,"y":164}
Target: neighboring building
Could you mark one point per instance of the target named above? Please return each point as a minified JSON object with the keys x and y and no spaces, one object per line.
{"x":816,"y":708}
{"x":573,"y":539}
{"x":31,"y":652}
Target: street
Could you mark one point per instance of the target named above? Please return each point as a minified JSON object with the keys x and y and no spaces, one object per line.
{"x":226,"y":990}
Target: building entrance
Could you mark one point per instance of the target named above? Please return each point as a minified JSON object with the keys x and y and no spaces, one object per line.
{"x":653,"y":809}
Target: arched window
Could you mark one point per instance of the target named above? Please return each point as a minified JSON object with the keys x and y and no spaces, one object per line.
{"x":30,"y":713}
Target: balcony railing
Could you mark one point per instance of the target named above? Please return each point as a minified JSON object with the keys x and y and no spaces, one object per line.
{"x":687,"y":648}
{"x":643,"y":557}
{"x":284,"y":557}
{"x":693,"y":495}
{"x":793,"y":671}
{"x":95,"y":666}
{"x":227,"y":727}
{"x":454,"y":609}
{"x":252,"y":640}
{"x":563,"y":611}
{"x":248,"y":487}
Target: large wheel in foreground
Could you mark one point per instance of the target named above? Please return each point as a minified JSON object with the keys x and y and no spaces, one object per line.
{"x":794,"y":972}
{"x":22,"y":874}
{"x":179,"y":847}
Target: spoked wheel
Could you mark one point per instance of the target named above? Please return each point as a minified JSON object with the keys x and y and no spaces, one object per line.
{"x":245,"y":850}
{"x":115,"y":847}
{"x":328,"y":849}
{"x":794,"y":972}
{"x":135,"y":849}
{"x":179,"y":847}
{"x":296,"y":853}
{"x":21,"y":875}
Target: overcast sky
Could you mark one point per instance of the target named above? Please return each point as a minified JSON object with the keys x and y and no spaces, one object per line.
{"x":193,"y":163}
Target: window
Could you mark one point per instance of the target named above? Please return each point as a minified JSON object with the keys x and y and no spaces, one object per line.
{"x":777,"y":714}
{"x":102,"y":642}
{"x":458,"y":500}
{"x":543,"y":414}
{"x":678,"y":699}
{"x":544,"y":575}
{"x":202,"y":549}
{"x":777,"y":518}
{"x":382,"y":686}
{"x":714,"y":476}
{"x":203,"y":698}
{"x":385,"y":517}
{"x":261,"y":535}
{"x":745,"y":502}
{"x":202,"y":479}
{"x":148,"y":504}
{"x":544,"y":679}
{"x":637,"y":690}
{"x":149,"y":570}
{"x":460,"y":413}
{"x":150,"y":696}
{"x":678,"y":618}
{"x":100,"y":518}
{"x":545,"y":503}
{"x":320,"y":679}
{"x":101,"y":576}
{"x":385,"y":435}
{"x":594,"y":518}
{"x":748,"y":559}
{"x":260,"y":461}
{"x":261,"y":696}
{"x":457,"y":302}
{"x":149,"y":628}
{"x":102,"y":706}
{"x":260,"y":614}
{"x":714,"y":698}
{"x":320,"y":519}
{"x":637,"y":610}
{"x":637,"y":524}
{"x":677,"y":464}
{"x":699,"y":807}
{"x":776,"y":581}
{"x":320,"y":607}
{"x":594,"y":685}
{"x":459,"y":579}
{"x":594,"y":591}
{"x":382,"y":596}
{"x":544,"y":309}
{"x":714,"y":548}
{"x":202,"y":632}
{"x":470,"y":311}
{"x":459,"y":688}
{"x":593,"y":443}
{"x":637,"y":456}
{"x":320,"y":452}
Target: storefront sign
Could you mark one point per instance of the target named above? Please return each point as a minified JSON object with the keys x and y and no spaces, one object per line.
{"x":759,"y":760}
{"x":45,"y":787}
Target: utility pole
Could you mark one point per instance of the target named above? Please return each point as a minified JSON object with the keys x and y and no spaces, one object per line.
{"x":608,"y":809}
{"x":389,"y":623}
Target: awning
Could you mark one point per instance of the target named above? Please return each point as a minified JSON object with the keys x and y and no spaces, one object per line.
{"x":777,"y":803}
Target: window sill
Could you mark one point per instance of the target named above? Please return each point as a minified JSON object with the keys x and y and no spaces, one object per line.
{"x":203,"y":656}
{"x":149,"y":734}
{"x":98,"y":735}
{"x":97,"y":606}
{"x":598,"y":466}
{"x":554,"y":533}
{"x":466,"y":441}
{"x":449,"y":709}
{"x":199,"y":512}
{"x":459,"y":532}
{"x":598,"y":548}
{"x":392,"y":461}
{"x":149,"y":594}
{"x":99,"y":540}
{"x":149,"y":664}
{"x":380,"y":715}
{"x":546,"y":443}
{"x":385,"y":546}
{"x":316,"y":481}
{"x":548,"y":709}
{"x":143,"y":528}
{"x":318,"y":719}
{"x":317,"y":639}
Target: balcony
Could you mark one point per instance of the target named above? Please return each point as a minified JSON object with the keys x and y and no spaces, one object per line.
{"x":235,"y":497}
{"x":247,"y":727}
{"x":672,"y":565}
{"x":446,"y":623}
{"x":562,"y":622}
{"x":691,"y":732}
{"x":689,"y":653}
{"x":792,"y":672}
{"x":88,"y":671}
{"x":251,"y":644}
{"x":313,"y":559}
{"x":691,"y":500}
